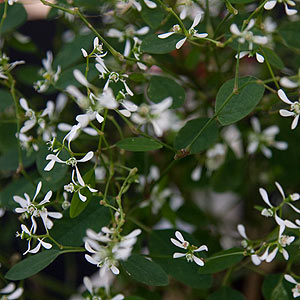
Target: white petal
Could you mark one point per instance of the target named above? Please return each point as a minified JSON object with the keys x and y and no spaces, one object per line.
{"x":87,"y":157}
{"x":144,"y":30}
{"x":156,"y":128}
{"x":200,"y":35}
{"x":83,"y":120}
{"x":294,"y":208}
{"x":90,"y":131}
{"x":286,"y":82}
{"x":90,"y":259}
{"x":55,"y":215}
{"x":177,"y":255}
{"x":242,"y":231}
{"x":24,"y":104}
{"x":8,"y":289}
{"x":96,"y":42}
{"x":50,"y":165}
{"x":201,"y":248}
{"x":272,"y":255}
{"x":255,"y":259}
{"x":20,"y":200}
{"x":295,"y":122}
{"x":84,"y":53}
{"x":250,"y":24}
{"x":46,"y":198}
{"x":234,"y":29}
{"x":88,"y":284}
{"x":176,"y":243}
{"x":80,"y":78}
{"x":118,"y":297}
{"x":81,"y":197}
{"x":196,"y":174}
{"x":114,"y":269}
{"x":179,"y":236}
{"x":259,"y":58}
{"x":280,"y":189}
{"x":242,"y":54}
{"x":196,"y":20}
{"x":271,"y":131}
{"x":79,"y":178}
{"x":133,"y":234}
{"x":16,"y":294}
{"x":266,"y":152}
{"x":89,"y":248}
{"x":35,"y":249}
{"x":283,"y":97}
{"x":198,"y":261}
{"x":46,"y":245}
{"x":265,"y":197}
{"x":285,"y":254}
{"x":261,"y":40}
{"x":286,"y":113}
{"x":28,"y":125}
{"x":128,"y":90}
{"x":270,"y":4}
{"x":165,"y":35}
{"x":288,"y":11}
{"x":55,"y":158}
{"x":125,"y":113}
{"x":99,"y":118}
{"x":129,"y":105}
{"x":290,"y":279}
{"x":92,"y":190}
{"x":180,"y":43}
{"x":150,"y":4}
{"x":127,"y":48}
{"x":255,"y":124}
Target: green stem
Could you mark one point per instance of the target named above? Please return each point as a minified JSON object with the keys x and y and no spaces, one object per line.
{"x":3,"y":16}
{"x":69,"y":11}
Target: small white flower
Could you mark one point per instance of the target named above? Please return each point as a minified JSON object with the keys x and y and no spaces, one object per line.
{"x":183,"y":244}
{"x":31,"y":209}
{"x":294,"y":108}
{"x":10,"y":292}
{"x":264,"y":139}
{"x":290,"y":12}
{"x":258,"y":56}
{"x":192,"y":32}
{"x":247,"y":36}
{"x":296,"y":289}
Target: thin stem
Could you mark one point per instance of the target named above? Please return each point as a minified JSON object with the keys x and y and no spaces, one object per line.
{"x":3,"y":16}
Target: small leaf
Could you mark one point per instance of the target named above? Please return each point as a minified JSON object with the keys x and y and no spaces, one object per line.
{"x":290,"y":32}
{"x":32,"y":265}
{"x":152,"y":16}
{"x":226,"y":293}
{"x":273,"y":58}
{"x":153,"y":44}
{"x":221,"y":261}
{"x":241,"y":104}
{"x":145,"y":271}
{"x":162,"y":87}
{"x":11,"y":22}
{"x":78,"y":206}
{"x":139,"y":144}
{"x":6,"y":100}
{"x":187,"y":133}
{"x":70,"y":232}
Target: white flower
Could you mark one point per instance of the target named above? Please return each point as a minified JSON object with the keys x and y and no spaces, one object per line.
{"x":245,"y":243}
{"x":48,"y":74}
{"x":271,"y":4}
{"x":97,"y":50}
{"x":107,"y":256}
{"x":183,"y":244}
{"x":294,"y":108}
{"x":125,"y":5}
{"x":296,"y":289}
{"x":11,"y":292}
{"x":192,"y":32}
{"x":288,"y":83}
{"x":247,"y":35}
{"x":31,"y":209}
{"x":115,"y":77}
{"x":280,"y":244}
{"x":188,"y":8}
{"x":215,"y":157}
{"x":264,"y":139}
{"x":157,"y":114}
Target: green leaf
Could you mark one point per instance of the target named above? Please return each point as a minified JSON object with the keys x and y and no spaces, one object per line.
{"x":32,"y":265}
{"x":153,"y":44}
{"x":12,"y":22}
{"x":187,"y":133}
{"x":162,"y":87}
{"x":161,"y":251}
{"x":239,"y":105}
{"x":28,"y":74}
{"x":145,"y":271}
{"x":56,"y":177}
{"x":152,"y":16}
{"x":78,"y":206}
{"x":71,"y":53}
{"x":273,"y":58}
{"x":275,"y":287}
{"x":226,"y":293}
{"x":70,"y":232}
{"x":290,"y":32}
{"x":138,"y":144}
{"x":10,"y":160}
{"x":221,"y":261}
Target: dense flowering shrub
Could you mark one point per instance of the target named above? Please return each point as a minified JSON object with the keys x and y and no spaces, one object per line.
{"x":144,"y":144}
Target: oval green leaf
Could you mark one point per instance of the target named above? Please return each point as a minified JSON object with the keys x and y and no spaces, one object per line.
{"x":32,"y":265}
{"x":187,"y":133}
{"x":162,"y":87}
{"x":221,"y":261}
{"x":70,"y":232}
{"x":234,"y":108}
{"x":153,"y":44}
{"x":290,"y":32}
{"x":138,"y":144}
{"x":145,"y":271}
{"x":273,"y":58}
